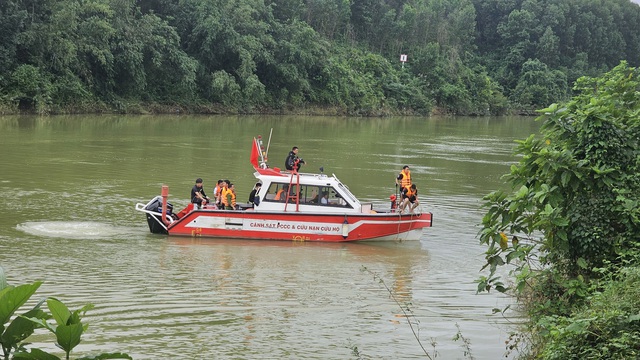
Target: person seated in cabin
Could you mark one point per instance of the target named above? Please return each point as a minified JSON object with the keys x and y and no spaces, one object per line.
{"x":281,"y":195}
{"x":292,"y":194}
{"x":293,"y":161}
{"x":409,"y":198}
{"x":325,"y":198}
{"x":253,"y":199}
{"x":198,"y":197}
{"x":314,"y":196}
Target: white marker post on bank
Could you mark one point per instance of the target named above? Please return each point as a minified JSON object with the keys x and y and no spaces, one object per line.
{"x":403,"y":59}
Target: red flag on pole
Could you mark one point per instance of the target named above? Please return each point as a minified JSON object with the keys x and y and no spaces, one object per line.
{"x":255,"y":152}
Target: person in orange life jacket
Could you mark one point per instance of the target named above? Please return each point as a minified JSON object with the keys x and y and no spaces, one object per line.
{"x":253,"y":200}
{"x":409,"y":196}
{"x":223,"y":194}
{"x":290,"y":162}
{"x":230,"y":197}
{"x":216,"y":192}
{"x":404,"y":178}
{"x":282,"y":193}
{"x":198,"y":197}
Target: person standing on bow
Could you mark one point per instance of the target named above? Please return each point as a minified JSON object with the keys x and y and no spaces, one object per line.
{"x":293,"y":161}
{"x":404,"y":178}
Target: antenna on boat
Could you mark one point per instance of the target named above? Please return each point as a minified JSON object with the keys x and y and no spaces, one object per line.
{"x":268,"y":142}
{"x":321,"y":169}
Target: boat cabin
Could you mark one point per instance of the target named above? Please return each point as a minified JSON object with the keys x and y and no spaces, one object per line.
{"x":316,"y":193}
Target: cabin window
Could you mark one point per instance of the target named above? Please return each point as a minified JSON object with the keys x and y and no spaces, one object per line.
{"x":309,"y":195}
{"x":277,"y":192}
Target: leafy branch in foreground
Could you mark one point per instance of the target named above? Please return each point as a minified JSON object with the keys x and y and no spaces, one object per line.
{"x":466,"y":343}
{"x":405,"y":309}
{"x":68,"y":328}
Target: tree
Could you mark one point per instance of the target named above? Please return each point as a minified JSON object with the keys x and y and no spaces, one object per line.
{"x":576,"y":189}
{"x":570,"y":225}
{"x":12,"y":20}
{"x":538,"y":85}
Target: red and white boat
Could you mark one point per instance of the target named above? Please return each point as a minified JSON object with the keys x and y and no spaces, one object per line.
{"x":306,"y":216}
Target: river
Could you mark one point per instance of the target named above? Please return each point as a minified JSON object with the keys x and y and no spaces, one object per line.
{"x":68,"y":186}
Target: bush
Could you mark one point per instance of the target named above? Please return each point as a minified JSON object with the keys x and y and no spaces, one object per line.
{"x":606,"y":327}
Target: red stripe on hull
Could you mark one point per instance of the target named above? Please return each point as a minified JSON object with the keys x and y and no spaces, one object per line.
{"x":299,"y":226}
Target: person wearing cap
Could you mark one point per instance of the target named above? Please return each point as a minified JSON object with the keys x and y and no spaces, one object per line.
{"x":198,"y":197}
{"x":253,"y":200}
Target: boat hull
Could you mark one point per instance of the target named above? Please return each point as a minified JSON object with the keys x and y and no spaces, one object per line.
{"x":300,"y":226}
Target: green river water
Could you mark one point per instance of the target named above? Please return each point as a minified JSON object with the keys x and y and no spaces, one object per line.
{"x":68,"y":186}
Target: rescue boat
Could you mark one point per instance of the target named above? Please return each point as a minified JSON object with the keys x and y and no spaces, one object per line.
{"x":310,"y":207}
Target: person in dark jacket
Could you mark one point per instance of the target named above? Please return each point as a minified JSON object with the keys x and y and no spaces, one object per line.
{"x":253,"y":199}
{"x":293,"y":161}
{"x":198,"y":197}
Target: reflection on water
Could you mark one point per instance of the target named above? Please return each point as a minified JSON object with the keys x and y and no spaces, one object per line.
{"x":67,"y":190}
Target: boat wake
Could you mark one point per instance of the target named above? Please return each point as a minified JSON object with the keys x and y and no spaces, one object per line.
{"x":74,"y":229}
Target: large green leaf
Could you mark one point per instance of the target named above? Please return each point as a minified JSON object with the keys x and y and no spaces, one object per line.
{"x":59,"y":311}
{"x":42,"y":323}
{"x":3,"y":279}
{"x":12,"y":298}
{"x":21,"y":327}
{"x":34,"y":354}
{"x":68,"y":336}
{"x":76,"y":316}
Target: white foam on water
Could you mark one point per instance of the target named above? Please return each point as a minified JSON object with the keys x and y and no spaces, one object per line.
{"x":73,"y":229}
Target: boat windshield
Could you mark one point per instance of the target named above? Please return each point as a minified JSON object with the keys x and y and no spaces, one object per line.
{"x":346,"y":191}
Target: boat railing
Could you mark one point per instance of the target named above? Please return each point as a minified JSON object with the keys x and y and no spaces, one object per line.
{"x":143,"y":208}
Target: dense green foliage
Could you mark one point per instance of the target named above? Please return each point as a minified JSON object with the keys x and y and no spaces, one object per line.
{"x":464,"y":56}
{"x":573,"y":219}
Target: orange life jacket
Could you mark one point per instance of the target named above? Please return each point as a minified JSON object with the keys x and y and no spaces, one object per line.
{"x":410,"y":192}
{"x":223,"y":196}
{"x":278,"y":195}
{"x":406,"y":178}
{"x":231,"y":195}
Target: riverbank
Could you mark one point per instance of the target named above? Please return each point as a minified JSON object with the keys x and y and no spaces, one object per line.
{"x":207,"y":109}
{"x":219,"y":109}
